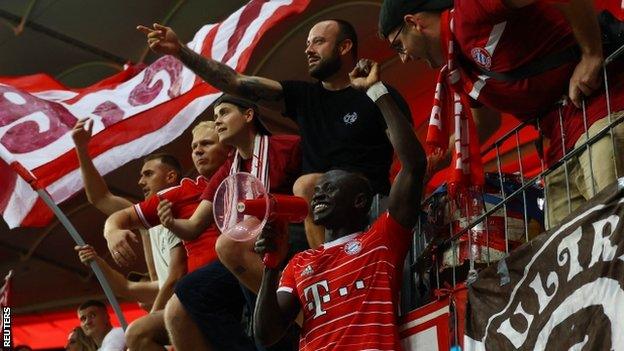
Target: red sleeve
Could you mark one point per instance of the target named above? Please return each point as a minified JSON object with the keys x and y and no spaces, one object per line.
{"x":147,"y":210}
{"x":491,"y":11}
{"x":397,"y":238}
{"x":287,"y":282}
{"x":216,"y":180}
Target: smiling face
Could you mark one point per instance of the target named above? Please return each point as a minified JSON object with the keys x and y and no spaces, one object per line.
{"x":322,"y":50}
{"x":208,"y":153}
{"x":156,"y":176}
{"x":340,"y":197}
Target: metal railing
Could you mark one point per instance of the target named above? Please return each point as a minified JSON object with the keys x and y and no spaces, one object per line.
{"x":437,"y":263}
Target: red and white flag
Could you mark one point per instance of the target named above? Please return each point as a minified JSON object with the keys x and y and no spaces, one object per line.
{"x":427,"y":327}
{"x":134,"y":112}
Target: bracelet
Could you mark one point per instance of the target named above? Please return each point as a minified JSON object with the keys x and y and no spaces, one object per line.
{"x":376,"y":91}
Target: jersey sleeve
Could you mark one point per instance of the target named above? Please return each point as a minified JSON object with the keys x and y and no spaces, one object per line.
{"x":486,"y":10}
{"x":287,"y":281}
{"x":216,"y":180}
{"x":147,"y":210}
{"x":293,"y":91}
{"x":397,"y":238}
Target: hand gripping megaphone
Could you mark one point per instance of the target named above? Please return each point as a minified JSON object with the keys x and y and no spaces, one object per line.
{"x":242,"y":207}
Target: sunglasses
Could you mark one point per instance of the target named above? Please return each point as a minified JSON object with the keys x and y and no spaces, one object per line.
{"x":394,"y":45}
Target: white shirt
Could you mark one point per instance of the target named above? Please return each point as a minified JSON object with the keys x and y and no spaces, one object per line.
{"x":115,"y":340}
{"x":162,"y":241}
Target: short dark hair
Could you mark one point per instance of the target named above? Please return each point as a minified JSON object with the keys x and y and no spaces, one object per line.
{"x":347,"y":31}
{"x":167,"y":159}
{"x":91,"y":303}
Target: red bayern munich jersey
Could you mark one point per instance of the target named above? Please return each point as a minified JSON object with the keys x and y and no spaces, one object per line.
{"x":184,"y":199}
{"x":497,"y":38}
{"x":349,"y":289}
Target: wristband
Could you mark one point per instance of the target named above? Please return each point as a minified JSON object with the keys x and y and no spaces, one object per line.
{"x":376,"y":91}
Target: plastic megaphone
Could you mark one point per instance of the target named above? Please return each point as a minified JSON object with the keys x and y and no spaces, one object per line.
{"x":242,"y":207}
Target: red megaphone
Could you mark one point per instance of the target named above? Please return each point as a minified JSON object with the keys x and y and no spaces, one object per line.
{"x":282,"y":209}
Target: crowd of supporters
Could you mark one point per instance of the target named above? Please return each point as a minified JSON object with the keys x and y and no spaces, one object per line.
{"x":339,"y":291}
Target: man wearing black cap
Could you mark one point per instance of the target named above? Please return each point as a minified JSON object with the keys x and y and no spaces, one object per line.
{"x":200,"y":296}
{"x":340,"y":127}
{"x":520,"y":57}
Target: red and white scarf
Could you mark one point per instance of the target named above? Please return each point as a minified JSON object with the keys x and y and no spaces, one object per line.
{"x":259,"y":161}
{"x":466,"y":167}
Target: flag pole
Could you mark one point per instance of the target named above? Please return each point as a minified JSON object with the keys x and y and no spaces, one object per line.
{"x":47,"y":199}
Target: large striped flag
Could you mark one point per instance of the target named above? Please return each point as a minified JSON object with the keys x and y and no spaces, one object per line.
{"x":134,"y":112}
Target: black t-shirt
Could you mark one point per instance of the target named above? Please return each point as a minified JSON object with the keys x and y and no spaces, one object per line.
{"x":341,"y":129}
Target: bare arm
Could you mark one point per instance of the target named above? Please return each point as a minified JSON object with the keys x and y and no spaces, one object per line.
{"x":143,"y":292}
{"x":275,"y":311}
{"x":96,"y":189}
{"x":585,"y":79}
{"x":118,"y":234}
{"x":404,"y":200}
{"x":186,"y":229}
{"x":177,"y":269}
{"x":265,"y":91}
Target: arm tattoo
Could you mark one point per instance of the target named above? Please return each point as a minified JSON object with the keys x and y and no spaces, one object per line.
{"x":225,"y":78}
{"x":255,"y":90}
{"x":215,"y":73}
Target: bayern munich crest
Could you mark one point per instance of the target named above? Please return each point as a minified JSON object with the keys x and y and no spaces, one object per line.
{"x":482,"y":57}
{"x":353,"y":247}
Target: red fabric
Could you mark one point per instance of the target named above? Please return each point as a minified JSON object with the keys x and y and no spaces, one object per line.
{"x":616,"y":7}
{"x":284,"y":165}
{"x":184,"y":199}
{"x":540,"y":25}
{"x":127,"y":113}
{"x":415,"y":329}
{"x":349,"y":288}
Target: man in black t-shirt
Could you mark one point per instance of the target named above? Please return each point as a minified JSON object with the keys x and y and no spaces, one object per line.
{"x":341,"y":128}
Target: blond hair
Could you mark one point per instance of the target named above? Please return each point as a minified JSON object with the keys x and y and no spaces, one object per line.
{"x":204,"y":125}
{"x":84,"y":342}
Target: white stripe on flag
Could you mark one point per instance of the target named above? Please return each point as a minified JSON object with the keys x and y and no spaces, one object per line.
{"x":418,"y":321}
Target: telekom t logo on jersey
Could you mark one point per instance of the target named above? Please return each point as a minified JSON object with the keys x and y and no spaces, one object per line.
{"x":318,"y":294}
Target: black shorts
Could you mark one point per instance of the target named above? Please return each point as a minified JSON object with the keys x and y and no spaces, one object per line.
{"x":213,"y":298}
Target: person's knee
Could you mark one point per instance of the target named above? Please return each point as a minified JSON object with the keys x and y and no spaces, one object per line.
{"x":174,"y":313}
{"x":136,"y":334}
{"x":230,"y":251}
{"x":304,"y":185}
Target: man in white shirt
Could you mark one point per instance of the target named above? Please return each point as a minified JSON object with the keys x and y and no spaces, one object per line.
{"x":95,"y":322}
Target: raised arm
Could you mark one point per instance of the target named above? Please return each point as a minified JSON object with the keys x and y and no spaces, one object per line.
{"x":143,"y":292}
{"x":265,"y":91}
{"x":96,"y":189}
{"x":274,"y":311}
{"x":186,"y":229}
{"x":404,"y":200}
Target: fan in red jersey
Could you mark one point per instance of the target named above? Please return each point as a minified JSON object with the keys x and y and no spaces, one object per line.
{"x":348,"y":288}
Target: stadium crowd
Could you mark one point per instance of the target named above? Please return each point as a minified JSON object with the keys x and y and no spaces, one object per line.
{"x":206,"y":291}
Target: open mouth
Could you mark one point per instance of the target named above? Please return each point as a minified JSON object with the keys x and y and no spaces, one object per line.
{"x":313,"y":60}
{"x":146,"y":192}
{"x":319,"y":207}
{"x":221,"y":130}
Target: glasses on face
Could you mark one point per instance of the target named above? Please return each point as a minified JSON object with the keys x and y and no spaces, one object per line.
{"x":394,"y":45}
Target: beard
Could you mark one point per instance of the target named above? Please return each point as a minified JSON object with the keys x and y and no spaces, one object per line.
{"x":325,"y":68}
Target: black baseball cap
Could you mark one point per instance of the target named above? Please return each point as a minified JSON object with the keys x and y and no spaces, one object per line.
{"x":244,"y":103}
{"x":392,"y":11}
